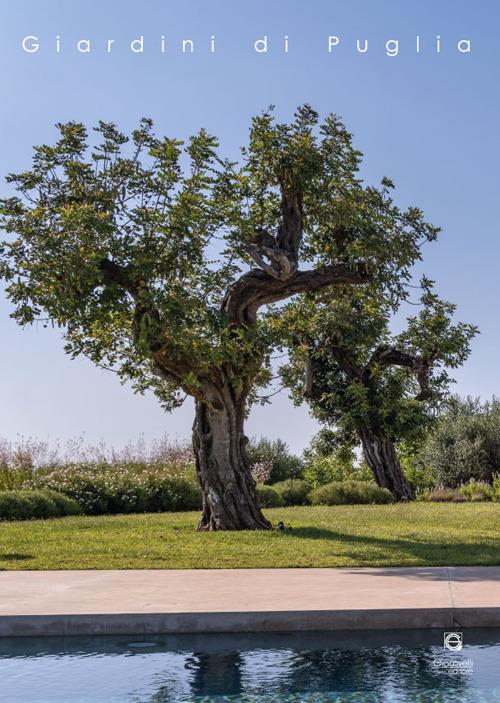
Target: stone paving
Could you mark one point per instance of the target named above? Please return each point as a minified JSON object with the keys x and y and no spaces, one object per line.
{"x":245,"y":600}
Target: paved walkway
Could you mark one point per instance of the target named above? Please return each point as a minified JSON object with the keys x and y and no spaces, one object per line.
{"x":239,"y":600}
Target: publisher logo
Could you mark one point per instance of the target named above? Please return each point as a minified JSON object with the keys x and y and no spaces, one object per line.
{"x":453,"y":641}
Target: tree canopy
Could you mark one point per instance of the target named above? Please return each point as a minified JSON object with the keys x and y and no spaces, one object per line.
{"x":359,"y":376}
{"x":142,"y":241}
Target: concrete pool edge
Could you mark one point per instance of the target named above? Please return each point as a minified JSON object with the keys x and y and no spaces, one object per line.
{"x":254,"y":600}
{"x":238,"y":622}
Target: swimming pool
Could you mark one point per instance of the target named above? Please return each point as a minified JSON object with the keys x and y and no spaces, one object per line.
{"x":340,"y":667}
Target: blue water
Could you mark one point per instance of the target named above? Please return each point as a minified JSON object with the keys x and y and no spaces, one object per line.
{"x":342,"y":667}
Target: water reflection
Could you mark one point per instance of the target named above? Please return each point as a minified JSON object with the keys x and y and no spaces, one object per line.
{"x":375,"y":667}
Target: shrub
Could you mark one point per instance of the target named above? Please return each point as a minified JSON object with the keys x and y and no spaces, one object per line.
{"x":173,"y":494}
{"x":64,"y":504}
{"x":327,"y":469}
{"x":466,"y":442}
{"x":276,"y":455}
{"x":137,"y":478}
{"x":295,"y":491}
{"x":421,"y":478}
{"x":422,"y":497}
{"x":445,"y":495}
{"x":495,"y":488}
{"x":477,"y":491}
{"x":420,"y":475}
{"x":17,"y":461}
{"x":14,"y":477}
{"x":269,"y":497}
{"x":30,"y":505}
{"x":133,"y":488}
{"x":261,"y":471}
{"x":350,"y":493}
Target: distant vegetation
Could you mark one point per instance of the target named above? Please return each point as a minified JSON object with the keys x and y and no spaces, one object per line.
{"x":458,"y":461}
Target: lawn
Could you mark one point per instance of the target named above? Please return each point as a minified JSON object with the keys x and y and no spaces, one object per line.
{"x":358,"y":535}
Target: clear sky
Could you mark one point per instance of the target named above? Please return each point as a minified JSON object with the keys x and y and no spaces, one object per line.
{"x":430,"y":121}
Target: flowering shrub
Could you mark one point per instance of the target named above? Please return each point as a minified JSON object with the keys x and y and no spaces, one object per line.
{"x":127,"y":488}
{"x":276,"y":454}
{"x":261,"y":471}
{"x":18,"y":460}
{"x":141,"y":477}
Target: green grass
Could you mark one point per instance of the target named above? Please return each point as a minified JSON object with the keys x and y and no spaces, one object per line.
{"x":346,"y":536}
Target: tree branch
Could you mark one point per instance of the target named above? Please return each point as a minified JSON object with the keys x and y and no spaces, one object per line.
{"x":256,"y":288}
{"x":290,"y":230}
{"x":309,"y":387}
{"x":279,"y":265}
{"x":120,"y":275}
{"x":391,"y":356}
{"x":282,"y":250}
{"x":166,"y":362}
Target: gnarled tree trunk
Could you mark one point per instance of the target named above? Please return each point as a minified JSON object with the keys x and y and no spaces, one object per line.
{"x":380,"y":455}
{"x":229,"y":497}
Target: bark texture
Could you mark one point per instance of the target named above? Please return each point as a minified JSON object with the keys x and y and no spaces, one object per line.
{"x":229,"y":495}
{"x":381,"y":457}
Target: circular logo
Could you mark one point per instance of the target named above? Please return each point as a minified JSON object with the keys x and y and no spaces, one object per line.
{"x":453,"y":641}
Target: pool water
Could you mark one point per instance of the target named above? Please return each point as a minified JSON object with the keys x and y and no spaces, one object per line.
{"x":339,"y":667}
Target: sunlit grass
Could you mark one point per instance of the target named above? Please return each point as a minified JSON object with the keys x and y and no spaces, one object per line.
{"x":345,"y":536}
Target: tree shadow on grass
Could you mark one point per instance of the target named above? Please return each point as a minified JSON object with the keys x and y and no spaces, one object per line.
{"x":435,"y":552}
{"x":15,"y":557}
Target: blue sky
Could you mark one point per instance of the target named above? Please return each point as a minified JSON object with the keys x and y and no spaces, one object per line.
{"x":429,"y":121}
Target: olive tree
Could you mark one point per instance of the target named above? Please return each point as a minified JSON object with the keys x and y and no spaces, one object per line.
{"x":465,"y":443}
{"x":156,"y":258}
{"x":375,"y":387}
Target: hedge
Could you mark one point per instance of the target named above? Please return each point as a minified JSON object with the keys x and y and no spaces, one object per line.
{"x":32,"y":504}
{"x":295,"y":491}
{"x":269,"y":497}
{"x":350,"y":493}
